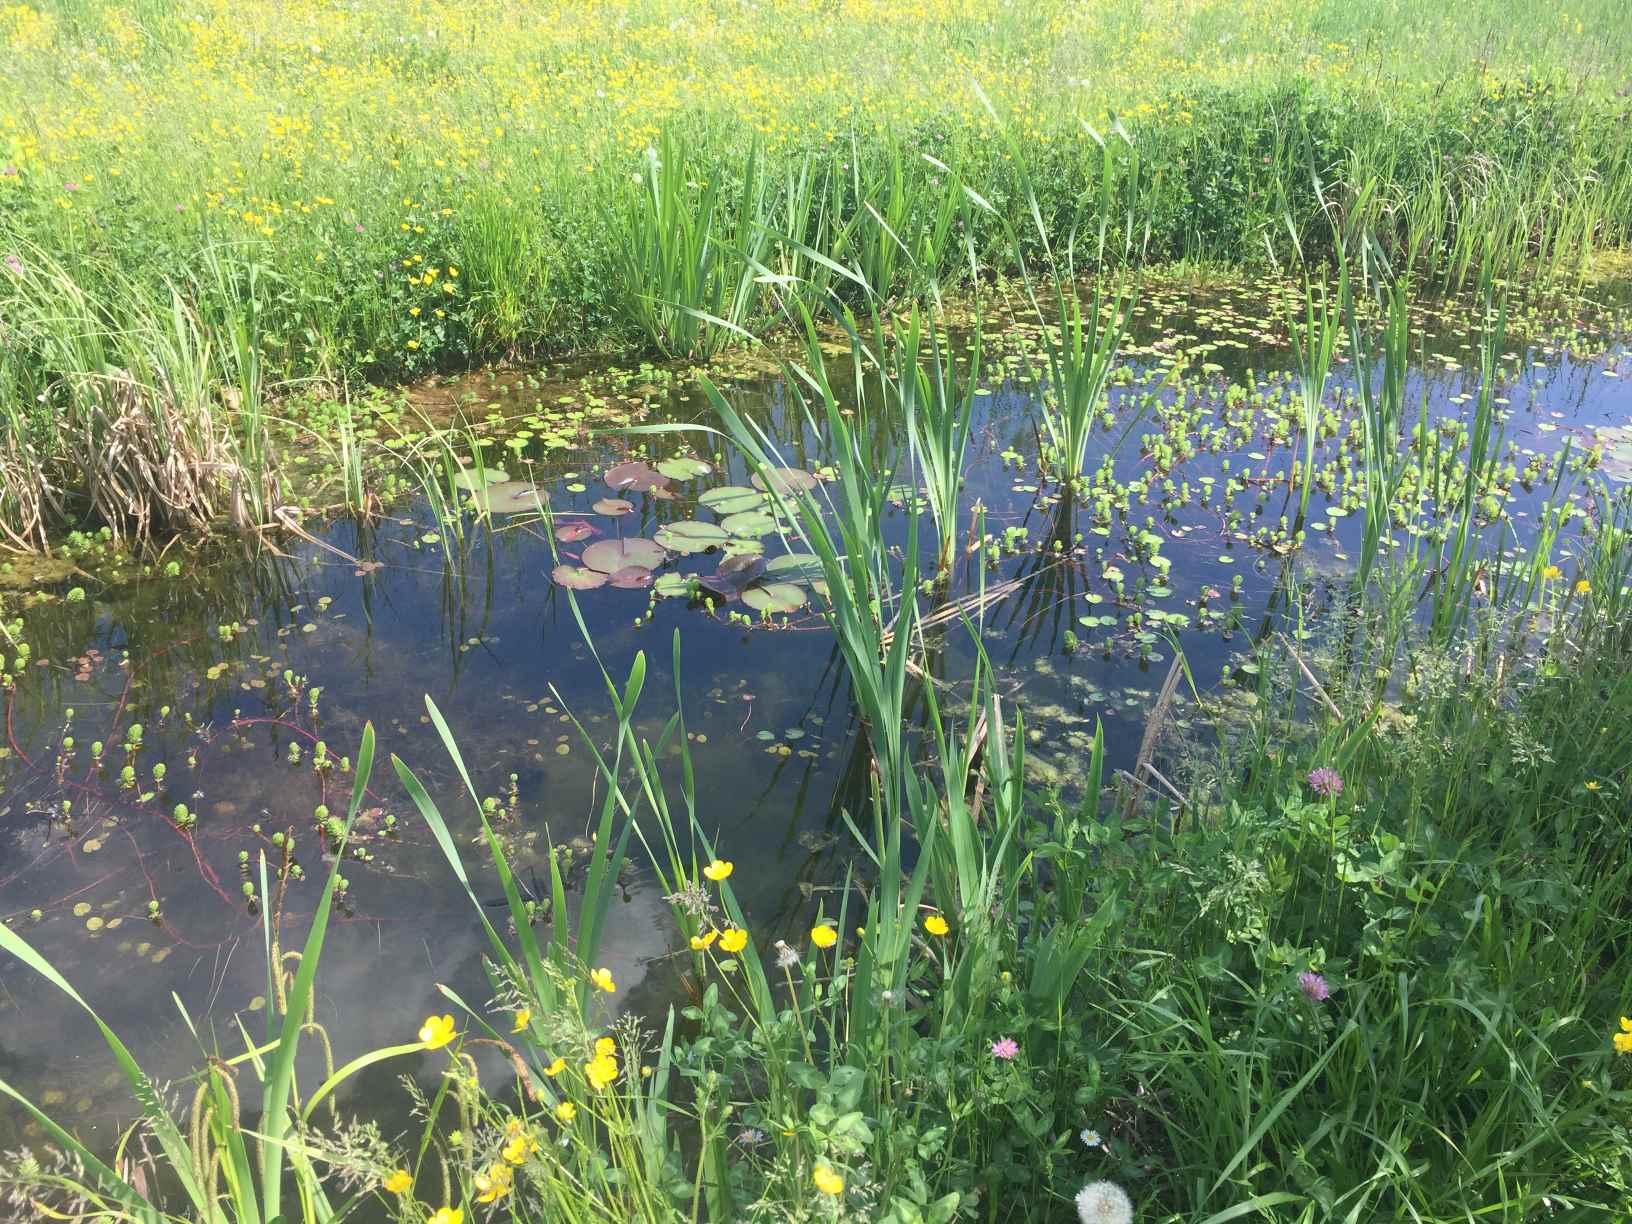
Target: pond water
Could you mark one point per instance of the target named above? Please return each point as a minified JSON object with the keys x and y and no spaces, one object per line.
{"x":220,"y":663}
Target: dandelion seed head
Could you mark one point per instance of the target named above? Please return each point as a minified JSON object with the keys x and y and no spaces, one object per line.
{"x":1104,"y":1202}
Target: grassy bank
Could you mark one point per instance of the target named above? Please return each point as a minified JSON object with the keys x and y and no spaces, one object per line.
{"x":205,"y":207}
{"x":1353,"y":946}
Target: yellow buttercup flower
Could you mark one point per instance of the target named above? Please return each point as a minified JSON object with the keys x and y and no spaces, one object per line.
{"x":519,"y":1148}
{"x":823,"y":936}
{"x":493,"y":1184}
{"x":601,"y":1071}
{"x":827,"y":1181}
{"x":448,"y":1215}
{"x":437,"y":1031}
{"x":1623,"y":1039}
{"x":522,"y":1018}
{"x":701,"y":943}
{"x":566,"y":1111}
{"x":719,"y":870}
{"x":399,"y":1182}
{"x":555,"y":1068}
{"x":601,"y":979}
{"x":936,"y":925}
{"x":1552,"y":572}
{"x":1583,"y":587}
{"x":733,"y":940}
{"x":605,"y":1047}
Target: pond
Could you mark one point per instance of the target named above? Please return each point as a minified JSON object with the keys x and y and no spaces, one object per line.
{"x":237,"y":687}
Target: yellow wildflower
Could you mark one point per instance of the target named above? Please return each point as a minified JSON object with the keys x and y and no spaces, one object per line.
{"x":601,"y":1071}
{"x":437,"y":1031}
{"x":448,"y":1215}
{"x":718,"y":870}
{"x":566,"y":1111}
{"x":399,"y":1182}
{"x":936,"y":925}
{"x":493,"y":1184}
{"x":601,"y":979}
{"x":1583,"y":587}
{"x":1552,"y":572}
{"x":519,"y":1148}
{"x":733,"y":940}
{"x":823,"y":936}
{"x":1623,"y":1039}
{"x":827,"y":1181}
{"x":523,"y":1017}
{"x":701,"y":943}
{"x":555,"y":1068}
{"x":605,"y":1047}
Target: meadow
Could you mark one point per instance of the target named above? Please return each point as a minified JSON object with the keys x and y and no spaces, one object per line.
{"x":977,"y":611}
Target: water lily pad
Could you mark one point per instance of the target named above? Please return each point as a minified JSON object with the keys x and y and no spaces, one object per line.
{"x":774,"y":597}
{"x":795,"y":567}
{"x":670,"y":586}
{"x":743,"y":546}
{"x":571,"y":533}
{"x":610,"y":556}
{"x":749,"y":523}
{"x":683,"y":468}
{"x":613,"y":506}
{"x":691,"y":536}
{"x":634,"y":476}
{"x":577,"y":577}
{"x":471,"y":478}
{"x":787,"y":481}
{"x":509,"y":497}
{"x":732,"y":499}
{"x":632,"y":577}
{"x":732,"y":574}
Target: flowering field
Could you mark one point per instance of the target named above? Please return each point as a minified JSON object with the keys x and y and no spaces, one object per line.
{"x":347,"y":150}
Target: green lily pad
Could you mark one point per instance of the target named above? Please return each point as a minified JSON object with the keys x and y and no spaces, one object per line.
{"x":683,"y":468}
{"x":786,"y":481}
{"x":732,"y":499}
{"x":471,"y":478}
{"x":774,"y":597}
{"x":610,"y":556}
{"x":577,"y":577}
{"x":742,"y":546}
{"x":509,"y":497}
{"x":795,"y":567}
{"x":690,"y":536}
{"x":749,"y":523}
{"x":670,"y":586}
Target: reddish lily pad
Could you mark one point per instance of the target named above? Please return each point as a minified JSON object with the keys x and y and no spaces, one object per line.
{"x":577,"y":577}
{"x":632,"y":577}
{"x":610,"y":556}
{"x":613,"y":506}
{"x":786,"y":481}
{"x":635,"y":476}
{"x":731,"y":575}
{"x":509,"y":497}
{"x":571,"y":533}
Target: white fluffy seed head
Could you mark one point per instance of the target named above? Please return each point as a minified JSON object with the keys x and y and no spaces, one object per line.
{"x":1104,"y":1202}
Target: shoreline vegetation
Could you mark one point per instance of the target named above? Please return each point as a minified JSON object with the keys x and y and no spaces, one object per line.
{"x":205,"y":210}
{"x":1366,"y":956}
